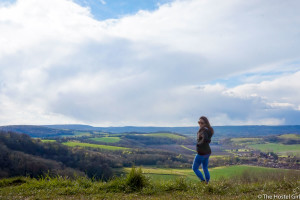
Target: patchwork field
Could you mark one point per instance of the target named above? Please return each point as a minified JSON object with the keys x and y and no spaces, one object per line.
{"x":290,"y":136}
{"x":106,"y":139}
{"x":77,"y":134}
{"x":192,"y":150}
{"x":82,"y":133}
{"x":243,"y":141}
{"x":48,"y":140}
{"x":168,"y":135}
{"x":99,"y":146}
{"x":277,"y":148}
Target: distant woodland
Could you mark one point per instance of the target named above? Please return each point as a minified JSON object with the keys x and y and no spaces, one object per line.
{"x":22,"y":155}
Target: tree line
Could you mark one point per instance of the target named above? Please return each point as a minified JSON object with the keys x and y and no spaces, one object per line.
{"x":22,"y":155}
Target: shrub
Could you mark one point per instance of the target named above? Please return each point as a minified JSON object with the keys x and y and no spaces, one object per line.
{"x":136,"y":180}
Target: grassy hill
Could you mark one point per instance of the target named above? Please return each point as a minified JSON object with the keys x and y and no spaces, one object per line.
{"x":277,"y":148}
{"x":106,"y":139}
{"x":97,"y":165}
{"x":20,"y":155}
{"x":221,"y":131}
{"x":281,"y":144}
{"x":99,"y":146}
{"x":136,"y":185}
{"x":36,"y":131}
{"x":163,"y":174}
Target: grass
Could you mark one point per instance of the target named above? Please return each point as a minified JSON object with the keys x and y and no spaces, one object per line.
{"x":106,"y":139}
{"x":48,"y":140}
{"x":277,"y":148}
{"x":290,"y":136}
{"x":135,"y":185}
{"x":245,"y":139}
{"x":99,"y":146}
{"x":77,"y":134}
{"x":188,"y":148}
{"x":82,"y":133}
{"x":163,"y":174}
{"x":168,"y":135}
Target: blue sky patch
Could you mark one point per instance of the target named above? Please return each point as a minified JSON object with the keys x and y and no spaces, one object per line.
{"x":113,"y":9}
{"x":240,"y":79}
{"x":108,"y":9}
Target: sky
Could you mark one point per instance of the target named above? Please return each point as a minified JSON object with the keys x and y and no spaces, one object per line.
{"x":149,"y":63}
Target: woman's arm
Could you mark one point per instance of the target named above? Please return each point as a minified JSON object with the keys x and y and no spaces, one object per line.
{"x":200,"y":139}
{"x":206,"y":136}
{"x":203,"y":138}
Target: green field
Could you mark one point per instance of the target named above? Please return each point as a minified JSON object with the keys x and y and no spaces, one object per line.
{"x":78,"y":134}
{"x":169,"y":135}
{"x":48,"y":140}
{"x":187,"y":148}
{"x":99,"y":146}
{"x":243,"y":141}
{"x":100,"y":133}
{"x":290,"y":136}
{"x":106,"y":139}
{"x":82,"y":133}
{"x":164,"y":174}
{"x":277,"y":148}
{"x":134,"y":185}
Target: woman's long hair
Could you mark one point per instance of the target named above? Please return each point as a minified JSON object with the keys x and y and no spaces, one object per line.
{"x":207,"y":124}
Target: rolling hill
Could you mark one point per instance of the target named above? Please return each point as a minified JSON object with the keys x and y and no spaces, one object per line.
{"x":221,"y":131}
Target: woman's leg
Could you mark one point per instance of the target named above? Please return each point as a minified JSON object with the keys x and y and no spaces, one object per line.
{"x":205,"y":168}
{"x":195,"y":167}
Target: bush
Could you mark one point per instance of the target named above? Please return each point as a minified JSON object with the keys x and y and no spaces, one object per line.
{"x":136,"y":180}
{"x":180,"y":183}
{"x":12,"y":181}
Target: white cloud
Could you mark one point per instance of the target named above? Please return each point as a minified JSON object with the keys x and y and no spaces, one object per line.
{"x":102,"y":1}
{"x":59,"y":65}
{"x":281,"y":91}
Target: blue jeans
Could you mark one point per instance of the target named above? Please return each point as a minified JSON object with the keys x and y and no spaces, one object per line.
{"x":201,"y":159}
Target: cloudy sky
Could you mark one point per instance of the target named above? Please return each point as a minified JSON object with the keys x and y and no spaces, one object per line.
{"x":149,"y":63}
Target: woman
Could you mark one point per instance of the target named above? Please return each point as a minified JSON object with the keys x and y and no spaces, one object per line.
{"x":203,"y":149}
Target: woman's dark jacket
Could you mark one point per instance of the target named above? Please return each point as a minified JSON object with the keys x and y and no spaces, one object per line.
{"x":203,"y":139}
